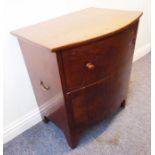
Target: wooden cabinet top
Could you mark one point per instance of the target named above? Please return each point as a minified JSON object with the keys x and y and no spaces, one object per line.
{"x":78,"y":27}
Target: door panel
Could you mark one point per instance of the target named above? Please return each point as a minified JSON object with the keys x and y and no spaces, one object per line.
{"x":92,"y":104}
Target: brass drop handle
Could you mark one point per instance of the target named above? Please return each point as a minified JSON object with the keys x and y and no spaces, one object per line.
{"x":133,"y":38}
{"x":44,"y":87}
{"x":132,"y":33}
{"x":90,"y":66}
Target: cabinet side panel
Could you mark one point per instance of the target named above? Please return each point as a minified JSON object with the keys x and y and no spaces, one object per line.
{"x":43,"y":71}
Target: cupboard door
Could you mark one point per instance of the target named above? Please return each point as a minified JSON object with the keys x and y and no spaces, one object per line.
{"x":99,"y":101}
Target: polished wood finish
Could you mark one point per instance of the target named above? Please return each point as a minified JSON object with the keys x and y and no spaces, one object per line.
{"x":94,"y":103}
{"x":77,"y":28}
{"x":105,"y":55}
{"x":86,"y":79}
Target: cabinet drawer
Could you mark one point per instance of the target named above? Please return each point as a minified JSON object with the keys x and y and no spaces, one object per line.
{"x":89,"y":63}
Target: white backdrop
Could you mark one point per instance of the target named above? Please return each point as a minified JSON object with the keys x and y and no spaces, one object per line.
{"x":20,"y":107}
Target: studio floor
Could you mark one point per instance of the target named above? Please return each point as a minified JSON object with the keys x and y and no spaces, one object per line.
{"x":128,"y":132}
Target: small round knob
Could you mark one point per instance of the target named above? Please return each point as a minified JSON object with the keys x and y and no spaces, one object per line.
{"x":90,"y":66}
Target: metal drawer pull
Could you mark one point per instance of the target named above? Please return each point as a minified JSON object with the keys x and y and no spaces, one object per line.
{"x":132,"y":33}
{"x":44,"y":86}
{"x":90,"y":66}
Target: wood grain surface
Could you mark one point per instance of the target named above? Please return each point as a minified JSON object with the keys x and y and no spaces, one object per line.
{"x":78,"y":27}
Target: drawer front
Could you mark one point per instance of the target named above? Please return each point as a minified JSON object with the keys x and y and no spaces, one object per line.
{"x":100,"y":101}
{"x":94,"y":61}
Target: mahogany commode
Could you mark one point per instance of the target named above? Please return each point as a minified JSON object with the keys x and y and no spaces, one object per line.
{"x":79,"y":65}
